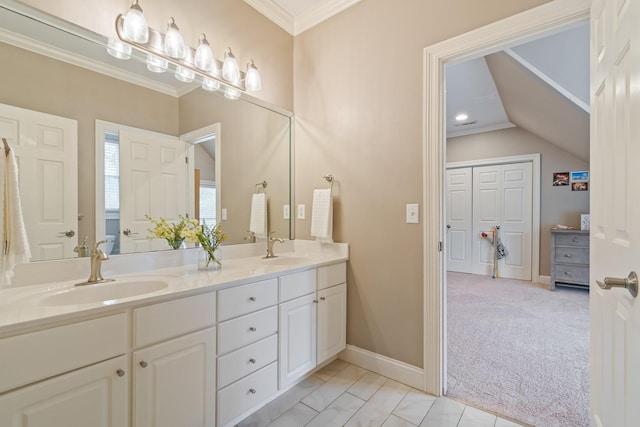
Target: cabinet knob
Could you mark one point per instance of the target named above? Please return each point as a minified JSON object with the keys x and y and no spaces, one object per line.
{"x":566,"y":273}
{"x":252,"y":329}
{"x":252,"y":391}
{"x":120,"y":372}
{"x":315,"y":301}
{"x":252,"y":361}
{"x":575,"y":239}
{"x":322,"y":298}
{"x":143,"y":363}
{"x":252,"y":298}
{"x":567,"y":255}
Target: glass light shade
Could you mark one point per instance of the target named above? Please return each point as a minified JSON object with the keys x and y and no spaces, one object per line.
{"x":117,"y":49}
{"x":232,"y":93}
{"x":184,"y":74}
{"x":210,"y":84}
{"x":204,"y":55}
{"x":156,"y":64}
{"x":134,"y":27}
{"x":230,"y":69}
{"x":173,"y":42}
{"x":252,"y":78}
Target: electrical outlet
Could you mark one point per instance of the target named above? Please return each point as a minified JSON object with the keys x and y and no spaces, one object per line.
{"x":224,"y":214}
{"x":301,"y":211}
{"x":413,"y":214}
{"x":285,"y":212}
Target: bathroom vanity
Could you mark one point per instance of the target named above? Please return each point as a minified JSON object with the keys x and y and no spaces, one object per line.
{"x":194,"y":348}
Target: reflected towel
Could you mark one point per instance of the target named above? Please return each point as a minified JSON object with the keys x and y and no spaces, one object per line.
{"x":322,"y":215}
{"x":258,"y":221}
{"x":14,"y":234}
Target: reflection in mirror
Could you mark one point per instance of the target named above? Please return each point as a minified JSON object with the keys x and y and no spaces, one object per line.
{"x":89,"y":85}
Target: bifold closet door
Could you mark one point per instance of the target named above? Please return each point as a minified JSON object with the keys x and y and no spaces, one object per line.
{"x":502,"y":196}
{"x":459,"y":220}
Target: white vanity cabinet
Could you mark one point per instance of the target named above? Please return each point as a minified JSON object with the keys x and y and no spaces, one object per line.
{"x":247,"y":348}
{"x":70,"y":375}
{"x":174,"y":378}
{"x":332,"y":311}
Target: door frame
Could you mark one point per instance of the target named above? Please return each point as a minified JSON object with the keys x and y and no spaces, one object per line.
{"x":535,"y":202}
{"x":547,"y":18}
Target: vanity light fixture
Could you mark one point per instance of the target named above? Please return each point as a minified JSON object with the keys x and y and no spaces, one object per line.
{"x":165,"y":50}
{"x":461,"y":117}
{"x":135,"y":26}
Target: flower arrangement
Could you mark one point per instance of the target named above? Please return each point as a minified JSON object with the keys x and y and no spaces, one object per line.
{"x":175,"y":233}
{"x":210,"y":238}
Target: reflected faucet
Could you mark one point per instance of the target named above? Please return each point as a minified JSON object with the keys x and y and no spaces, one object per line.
{"x":270,"y":241}
{"x":97,"y":256}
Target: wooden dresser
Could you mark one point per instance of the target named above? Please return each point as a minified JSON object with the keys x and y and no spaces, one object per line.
{"x":569,"y":258}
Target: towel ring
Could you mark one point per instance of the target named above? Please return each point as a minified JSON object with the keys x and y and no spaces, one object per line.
{"x":262,"y":184}
{"x":329,"y":179}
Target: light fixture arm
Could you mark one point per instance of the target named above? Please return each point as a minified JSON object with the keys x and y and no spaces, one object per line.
{"x":154,"y":46}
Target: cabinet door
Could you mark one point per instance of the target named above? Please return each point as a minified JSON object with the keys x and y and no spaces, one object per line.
{"x":297,"y":338}
{"x":95,"y":396}
{"x":332,"y":321}
{"x":174,"y":382}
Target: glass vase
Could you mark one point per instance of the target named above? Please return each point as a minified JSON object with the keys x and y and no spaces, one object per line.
{"x":209,"y":260}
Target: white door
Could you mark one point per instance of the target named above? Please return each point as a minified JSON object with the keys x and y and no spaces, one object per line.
{"x":459,"y":220}
{"x":297,"y":338}
{"x":46,"y":150}
{"x":332,"y":321}
{"x":502,"y":197}
{"x":615,"y":211}
{"x":153,"y":181}
{"x":174,"y":382}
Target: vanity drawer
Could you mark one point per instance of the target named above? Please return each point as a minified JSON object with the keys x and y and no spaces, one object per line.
{"x":571,"y":273}
{"x":572,"y":255}
{"x":38,"y":355}
{"x":234,"y":302}
{"x":243,"y":395}
{"x":332,"y":275}
{"x":247,"y":329}
{"x":247,"y":360}
{"x":572,"y":240}
{"x":296,"y":285}
{"x":159,"y":322}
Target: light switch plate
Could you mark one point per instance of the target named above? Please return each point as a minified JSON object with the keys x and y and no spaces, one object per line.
{"x":301,"y":211}
{"x":224,"y":214}
{"x":285,"y":212}
{"x":413,"y":213}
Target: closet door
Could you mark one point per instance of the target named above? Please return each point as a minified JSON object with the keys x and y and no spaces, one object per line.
{"x":502,"y":197}
{"x":459,"y":220}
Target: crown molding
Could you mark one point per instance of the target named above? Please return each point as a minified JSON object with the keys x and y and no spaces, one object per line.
{"x":304,"y":21}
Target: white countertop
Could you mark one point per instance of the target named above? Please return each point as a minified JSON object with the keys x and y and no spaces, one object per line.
{"x":19,"y":309}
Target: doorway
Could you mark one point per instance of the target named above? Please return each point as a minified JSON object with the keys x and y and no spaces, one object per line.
{"x":549,"y":17}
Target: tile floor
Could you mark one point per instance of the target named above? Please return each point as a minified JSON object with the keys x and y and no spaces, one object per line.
{"x":342,"y":394}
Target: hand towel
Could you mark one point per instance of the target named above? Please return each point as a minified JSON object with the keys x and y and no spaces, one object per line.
{"x":14,"y":234}
{"x":322,"y":215}
{"x":258,"y":221}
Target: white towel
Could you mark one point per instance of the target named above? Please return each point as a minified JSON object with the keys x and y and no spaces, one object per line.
{"x":322,"y":215}
{"x":13,"y":231}
{"x":258,"y":221}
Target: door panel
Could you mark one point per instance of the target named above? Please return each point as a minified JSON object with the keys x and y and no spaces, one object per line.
{"x":459,"y":221}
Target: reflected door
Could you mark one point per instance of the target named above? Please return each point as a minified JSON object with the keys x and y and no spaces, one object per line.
{"x":46,"y":151}
{"x":153,"y":181}
{"x":459,"y":220}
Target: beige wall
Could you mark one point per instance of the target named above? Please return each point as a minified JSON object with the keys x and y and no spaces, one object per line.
{"x":225,"y":22}
{"x":358,"y":104}
{"x":558,"y":205}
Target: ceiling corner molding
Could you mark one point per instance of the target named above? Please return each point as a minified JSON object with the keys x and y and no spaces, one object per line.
{"x":323,"y":11}
{"x":275,"y":13}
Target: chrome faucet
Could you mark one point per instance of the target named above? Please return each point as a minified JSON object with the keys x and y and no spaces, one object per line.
{"x":270,"y":241}
{"x":251,"y":237}
{"x":97,"y":256}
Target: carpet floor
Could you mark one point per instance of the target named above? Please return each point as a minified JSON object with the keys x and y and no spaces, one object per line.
{"x":519,"y":350}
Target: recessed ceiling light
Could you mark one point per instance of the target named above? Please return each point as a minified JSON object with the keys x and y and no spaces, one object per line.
{"x":461,"y":117}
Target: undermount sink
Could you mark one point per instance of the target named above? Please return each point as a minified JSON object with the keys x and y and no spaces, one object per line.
{"x":285,"y":260}
{"x":104,"y":293}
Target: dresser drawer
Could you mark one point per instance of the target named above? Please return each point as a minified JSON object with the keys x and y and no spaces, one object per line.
{"x":247,"y":360}
{"x":243,"y":395}
{"x":572,"y":255}
{"x":571,"y":273}
{"x":332,"y":275}
{"x":170,"y":319}
{"x":247,"y":329}
{"x":572,"y":240}
{"x":37,"y":355}
{"x":296,"y":285}
{"x":234,"y":302}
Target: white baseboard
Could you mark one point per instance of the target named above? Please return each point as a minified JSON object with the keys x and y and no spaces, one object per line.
{"x":385,"y":366}
{"x":544,"y":280}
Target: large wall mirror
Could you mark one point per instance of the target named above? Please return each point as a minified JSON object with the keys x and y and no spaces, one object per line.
{"x":66,"y":106}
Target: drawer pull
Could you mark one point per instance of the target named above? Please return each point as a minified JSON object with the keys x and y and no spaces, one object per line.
{"x":252,"y":298}
{"x":143,"y":364}
{"x":252,"y":329}
{"x":252,"y":391}
{"x":120,"y":372}
{"x":575,"y":239}
{"x":253,"y":361}
{"x":566,"y":273}
{"x":315,"y":301}
{"x":322,"y":298}
{"x":567,"y":255}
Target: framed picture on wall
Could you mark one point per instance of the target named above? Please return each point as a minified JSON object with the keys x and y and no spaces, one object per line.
{"x":579,"y":176}
{"x":579,"y":186}
{"x":560,"y":179}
